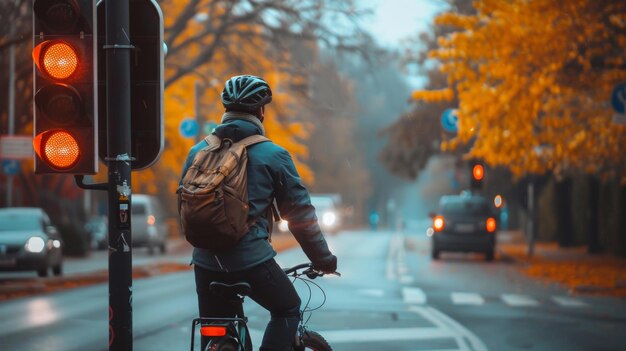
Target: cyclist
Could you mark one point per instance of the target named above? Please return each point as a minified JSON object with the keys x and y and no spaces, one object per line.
{"x":271,"y":175}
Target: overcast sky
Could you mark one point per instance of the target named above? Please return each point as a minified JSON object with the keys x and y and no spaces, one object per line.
{"x":394,"y":20}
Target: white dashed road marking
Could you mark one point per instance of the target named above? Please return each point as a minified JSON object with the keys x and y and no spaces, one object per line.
{"x":413,"y":296}
{"x":463,"y":298}
{"x":568,"y":301}
{"x":515,"y":300}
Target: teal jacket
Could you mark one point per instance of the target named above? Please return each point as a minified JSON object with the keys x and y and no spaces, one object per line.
{"x":271,"y":175}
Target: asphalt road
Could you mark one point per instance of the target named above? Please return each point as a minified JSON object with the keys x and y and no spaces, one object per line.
{"x":391,"y":296}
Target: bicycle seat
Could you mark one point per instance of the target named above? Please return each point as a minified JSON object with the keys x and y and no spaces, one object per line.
{"x":229,"y":290}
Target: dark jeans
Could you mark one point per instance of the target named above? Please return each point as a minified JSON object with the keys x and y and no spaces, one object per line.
{"x":271,"y":288}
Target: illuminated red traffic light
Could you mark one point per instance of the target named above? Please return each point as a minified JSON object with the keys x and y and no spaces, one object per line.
{"x":64,"y":114}
{"x":478,"y":172}
{"x":58,"y":148}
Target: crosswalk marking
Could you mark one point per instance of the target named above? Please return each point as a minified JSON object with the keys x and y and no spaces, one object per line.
{"x":413,"y":295}
{"x":462,"y":298}
{"x":516,"y":300}
{"x":568,"y":301}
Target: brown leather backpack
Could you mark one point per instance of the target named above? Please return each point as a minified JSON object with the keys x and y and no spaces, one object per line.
{"x":213,"y":198}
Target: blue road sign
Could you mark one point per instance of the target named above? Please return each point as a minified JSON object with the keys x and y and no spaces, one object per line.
{"x":10,"y":167}
{"x":450,"y":120}
{"x":618,"y":98}
{"x":189,"y":128}
{"x":208,"y":128}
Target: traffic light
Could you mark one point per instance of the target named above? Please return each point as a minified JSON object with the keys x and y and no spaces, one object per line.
{"x":65,"y":108}
{"x":478,"y":174}
{"x":146,"y":83}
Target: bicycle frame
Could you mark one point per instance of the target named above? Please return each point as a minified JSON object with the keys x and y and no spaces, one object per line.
{"x":237,"y":328}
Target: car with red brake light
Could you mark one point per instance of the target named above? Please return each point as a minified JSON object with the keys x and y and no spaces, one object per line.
{"x":464,"y":223}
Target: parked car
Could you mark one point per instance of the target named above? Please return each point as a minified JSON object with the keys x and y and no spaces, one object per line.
{"x":464,"y":223}
{"x":327,"y":211}
{"x":98,"y":229}
{"x":149,"y":228}
{"x":29,"y":241}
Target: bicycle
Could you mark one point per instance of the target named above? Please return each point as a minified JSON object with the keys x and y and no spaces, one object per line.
{"x":232,"y":334}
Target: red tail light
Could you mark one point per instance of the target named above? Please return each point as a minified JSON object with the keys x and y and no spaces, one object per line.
{"x":490,"y":224}
{"x":438,"y":223}
{"x":211,"y":330}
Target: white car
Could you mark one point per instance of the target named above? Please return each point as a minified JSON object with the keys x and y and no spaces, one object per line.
{"x":327,"y":215}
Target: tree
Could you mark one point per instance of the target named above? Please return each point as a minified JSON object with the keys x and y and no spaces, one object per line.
{"x":417,"y":134}
{"x":533,"y":79}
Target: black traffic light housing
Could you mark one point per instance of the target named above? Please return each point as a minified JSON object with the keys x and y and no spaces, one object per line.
{"x":146,"y":83}
{"x":65,"y":105}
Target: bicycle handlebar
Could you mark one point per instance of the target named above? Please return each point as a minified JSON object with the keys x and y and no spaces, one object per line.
{"x":309,"y":272}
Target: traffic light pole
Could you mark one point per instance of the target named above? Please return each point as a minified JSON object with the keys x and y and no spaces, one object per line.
{"x":118,"y":53}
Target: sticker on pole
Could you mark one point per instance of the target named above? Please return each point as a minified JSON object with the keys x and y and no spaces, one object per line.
{"x":450,"y":120}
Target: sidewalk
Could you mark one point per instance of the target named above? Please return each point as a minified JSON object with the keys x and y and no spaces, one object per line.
{"x":574,"y":268}
{"x":179,"y":254}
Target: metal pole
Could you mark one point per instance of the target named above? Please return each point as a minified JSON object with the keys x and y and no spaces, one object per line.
{"x":531,"y":220}
{"x":199,"y":119}
{"x":11,"y":131}
{"x":118,"y":51}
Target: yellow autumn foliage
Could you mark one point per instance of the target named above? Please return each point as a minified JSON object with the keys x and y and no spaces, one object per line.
{"x":533,"y":79}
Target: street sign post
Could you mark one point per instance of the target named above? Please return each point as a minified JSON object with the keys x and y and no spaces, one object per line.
{"x":10,"y":167}
{"x":208,"y":127}
{"x":16,"y":147}
{"x":189,"y":128}
{"x":450,"y":120}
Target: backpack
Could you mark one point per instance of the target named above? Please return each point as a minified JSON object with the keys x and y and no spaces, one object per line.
{"x":213,"y":198}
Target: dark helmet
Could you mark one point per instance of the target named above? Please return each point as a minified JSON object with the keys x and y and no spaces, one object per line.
{"x":246,"y":93}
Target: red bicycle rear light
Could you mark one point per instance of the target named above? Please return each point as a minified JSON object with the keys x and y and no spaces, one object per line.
{"x":438,"y":223}
{"x":210,"y":330}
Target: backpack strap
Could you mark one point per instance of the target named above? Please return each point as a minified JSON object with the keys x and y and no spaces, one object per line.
{"x":213,"y":142}
{"x":253,"y":139}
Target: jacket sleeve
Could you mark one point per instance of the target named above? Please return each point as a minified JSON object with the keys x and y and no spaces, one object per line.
{"x":294,"y":204}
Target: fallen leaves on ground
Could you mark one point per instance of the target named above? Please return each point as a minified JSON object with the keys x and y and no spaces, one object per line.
{"x":582,"y":273}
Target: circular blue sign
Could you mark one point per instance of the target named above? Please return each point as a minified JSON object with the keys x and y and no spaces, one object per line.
{"x":189,"y":128}
{"x":10,"y":167}
{"x":618,"y":98}
{"x":450,"y":120}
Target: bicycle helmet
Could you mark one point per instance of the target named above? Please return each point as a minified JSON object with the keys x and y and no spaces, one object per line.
{"x":246,"y":93}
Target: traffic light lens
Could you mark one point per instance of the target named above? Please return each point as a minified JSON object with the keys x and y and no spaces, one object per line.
{"x":61,"y":150}
{"x":57,"y":15}
{"x":478,"y":172}
{"x":60,"y":60}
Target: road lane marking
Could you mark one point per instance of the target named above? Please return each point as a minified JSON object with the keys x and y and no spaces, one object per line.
{"x":568,"y":301}
{"x":413,"y":296}
{"x":465,"y":339}
{"x":371,"y":292}
{"x":406,"y":279}
{"x":516,"y":300}
{"x":384,"y":334}
{"x":463,"y":298}
{"x":391,"y":254}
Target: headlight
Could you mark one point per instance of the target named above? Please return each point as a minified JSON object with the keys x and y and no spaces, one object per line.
{"x":283,"y":225}
{"x":35,"y":244}
{"x":329,"y":218}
